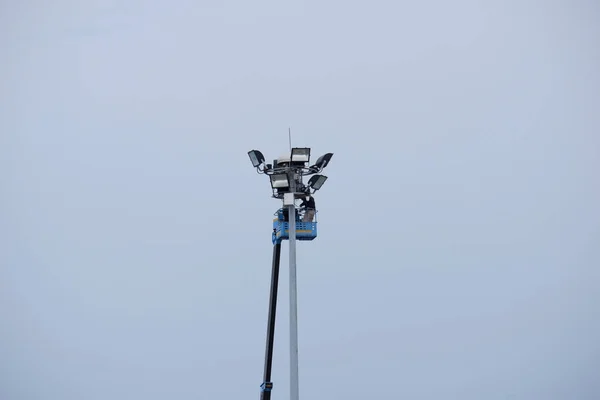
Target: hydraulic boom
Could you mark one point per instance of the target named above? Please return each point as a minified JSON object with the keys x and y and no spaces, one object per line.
{"x":267,"y":385}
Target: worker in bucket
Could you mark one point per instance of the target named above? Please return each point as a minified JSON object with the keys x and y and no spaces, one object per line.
{"x":308,"y":203}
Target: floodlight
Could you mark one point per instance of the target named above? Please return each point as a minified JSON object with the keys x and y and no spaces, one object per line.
{"x":316,"y":181}
{"x":280,"y":181}
{"x":322,"y":161}
{"x":301,"y":154}
{"x":256,"y":157}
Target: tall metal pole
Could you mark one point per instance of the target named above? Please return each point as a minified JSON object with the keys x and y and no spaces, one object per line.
{"x":294,"y":384}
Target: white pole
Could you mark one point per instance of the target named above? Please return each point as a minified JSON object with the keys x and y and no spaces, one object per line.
{"x":294,"y":384}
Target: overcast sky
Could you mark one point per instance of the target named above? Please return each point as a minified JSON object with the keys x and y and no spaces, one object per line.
{"x":459,"y":230}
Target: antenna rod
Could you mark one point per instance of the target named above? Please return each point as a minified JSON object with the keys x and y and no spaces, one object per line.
{"x":290,"y":137}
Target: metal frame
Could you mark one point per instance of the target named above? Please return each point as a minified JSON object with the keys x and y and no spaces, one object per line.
{"x":299,"y":171}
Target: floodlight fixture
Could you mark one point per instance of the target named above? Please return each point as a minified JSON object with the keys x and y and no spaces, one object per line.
{"x":322,"y":162}
{"x":316,"y":181}
{"x":280,"y":181}
{"x":300,"y":154}
{"x":256,"y":157}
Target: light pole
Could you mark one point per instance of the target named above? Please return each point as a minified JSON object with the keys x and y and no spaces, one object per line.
{"x":294,"y":375}
{"x":286,"y":175}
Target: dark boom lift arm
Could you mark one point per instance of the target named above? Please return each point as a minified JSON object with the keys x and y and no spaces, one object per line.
{"x":267,"y":385}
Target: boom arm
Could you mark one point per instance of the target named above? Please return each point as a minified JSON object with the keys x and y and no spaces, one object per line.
{"x":267,"y":385}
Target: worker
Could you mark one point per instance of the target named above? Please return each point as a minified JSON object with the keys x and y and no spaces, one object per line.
{"x":309,"y":208}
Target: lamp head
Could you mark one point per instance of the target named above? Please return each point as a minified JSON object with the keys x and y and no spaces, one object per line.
{"x":256,"y":157}
{"x":316,"y":181}
{"x":322,"y":162}
{"x":280,"y":181}
{"x":300,"y":155}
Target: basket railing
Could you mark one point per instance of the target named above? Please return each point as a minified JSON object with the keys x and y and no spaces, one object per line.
{"x":302,"y":214}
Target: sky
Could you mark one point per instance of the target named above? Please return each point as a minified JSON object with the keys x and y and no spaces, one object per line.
{"x":459,"y":229}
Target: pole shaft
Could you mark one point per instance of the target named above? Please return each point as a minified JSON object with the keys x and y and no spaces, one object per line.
{"x":294,"y":384}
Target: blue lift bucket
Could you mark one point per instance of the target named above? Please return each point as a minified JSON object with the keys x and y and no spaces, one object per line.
{"x":304,"y":230}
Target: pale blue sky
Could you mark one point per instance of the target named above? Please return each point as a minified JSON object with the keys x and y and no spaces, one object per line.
{"x":459,"y":229}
